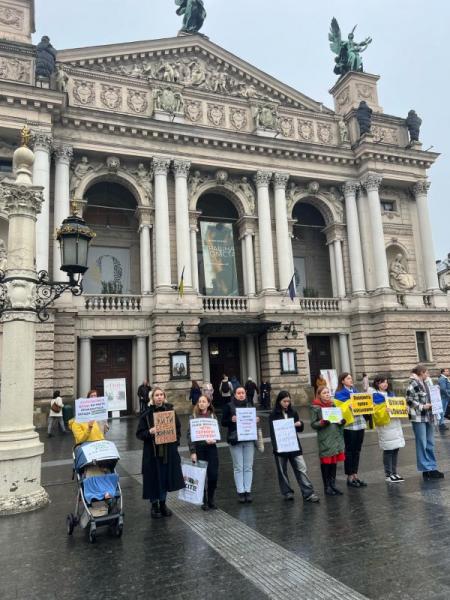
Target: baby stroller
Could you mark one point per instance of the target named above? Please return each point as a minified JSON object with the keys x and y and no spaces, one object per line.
{"x":99,"y":497}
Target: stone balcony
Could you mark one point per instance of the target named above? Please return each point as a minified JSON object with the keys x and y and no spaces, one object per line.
{"x":320,"y":305}
{"x":225,"y":304}
{"x":112,"y":302}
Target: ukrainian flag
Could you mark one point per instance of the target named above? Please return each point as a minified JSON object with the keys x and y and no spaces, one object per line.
{"x":181,"y":285}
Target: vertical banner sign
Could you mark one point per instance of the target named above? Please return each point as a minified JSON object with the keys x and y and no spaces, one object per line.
{"x":166,"y":431}
{"x":362,"y":404}
{"x":116,"y":392}
{"x":436,"y":400}
{"x":398,"y":409}
{"x":219,"y":261}
{"x":285,"y":435}
{"x":246,"y":424}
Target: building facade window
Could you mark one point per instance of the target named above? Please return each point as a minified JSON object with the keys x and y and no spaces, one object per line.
{"x":423,"y":347}
{"x":388,"y":206}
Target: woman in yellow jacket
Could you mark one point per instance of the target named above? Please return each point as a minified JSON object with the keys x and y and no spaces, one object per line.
{"x":88,"y":432}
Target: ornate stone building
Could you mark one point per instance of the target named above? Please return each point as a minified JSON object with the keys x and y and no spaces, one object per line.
{"x":186,"y":160}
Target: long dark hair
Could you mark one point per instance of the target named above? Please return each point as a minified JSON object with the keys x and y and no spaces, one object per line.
{"x":56,"y":394}
{"x":379,"y":379}
{"x":341,"y":378}
{"x":282,"y":396}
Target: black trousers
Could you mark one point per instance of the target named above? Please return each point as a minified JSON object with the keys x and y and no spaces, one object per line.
{"x":328,"y":473}
{"x":209,"y":454}
{"x":390,"y":461}
{"x":353,"y":443}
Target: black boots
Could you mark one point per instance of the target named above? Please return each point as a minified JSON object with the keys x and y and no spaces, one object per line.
{"x":329,"y":480}
{"x":165,"y":512}
{"x":159,"y":509}
{"x":208,"y":499}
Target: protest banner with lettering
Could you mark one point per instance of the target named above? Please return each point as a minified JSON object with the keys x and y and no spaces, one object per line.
{"x":166,"y":431}
{"x":331,"y":377}
{"x":285,"y":435}
{"x":362,"y":404}
{"x":116,"y":392}
{"x":246,"y":424}
{"x":101,"y":450}
{"x":91,"y":409}
{"x":398,"y":408}
{"x":332,"y":414}
{"x":204,"y":430}
{"x":436,"y":400}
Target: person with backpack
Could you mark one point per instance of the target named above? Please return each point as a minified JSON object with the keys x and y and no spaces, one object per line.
{"x":55,"y":414}
{"x":251,"y":389}
{"x":225,"y":389}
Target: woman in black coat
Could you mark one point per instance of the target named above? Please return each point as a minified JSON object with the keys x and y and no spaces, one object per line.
{"x":161,"y":464}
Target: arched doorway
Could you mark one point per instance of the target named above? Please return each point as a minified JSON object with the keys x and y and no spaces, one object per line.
{"x":114,"y":254}
{"x":218,"y":250}
{"x":311,"y":256}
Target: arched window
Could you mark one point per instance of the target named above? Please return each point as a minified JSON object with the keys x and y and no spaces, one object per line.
{"x":114,"y":254}
{"x":219,"y":256}
{"x":311,"y":256}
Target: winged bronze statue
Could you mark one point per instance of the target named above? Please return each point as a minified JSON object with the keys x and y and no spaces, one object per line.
{"x":348,"y":52}
{"x":194,"y":14}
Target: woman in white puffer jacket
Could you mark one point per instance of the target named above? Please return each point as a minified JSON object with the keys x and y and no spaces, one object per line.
{"x":390,"y":436}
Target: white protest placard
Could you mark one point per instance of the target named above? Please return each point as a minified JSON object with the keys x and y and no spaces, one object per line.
{"x":204,"y":430}
{"x":333,"y":414}
{"x":246,"y":424}
{"x":101,"y":450}
{"x":285,"y":435}
{"x":331,"y":377}
{"x":91,"y":409}
{"x":436,"y":400}
{"x":116,"y":392}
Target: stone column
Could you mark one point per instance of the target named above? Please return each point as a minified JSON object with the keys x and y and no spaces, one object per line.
{"x":262,"y":180}
{"x":372,"y":183}
{"x":244,"y":264}
{"x":141,"y":359}
{"x":20,"y":448}
{"x":163,"y":279}
{"x":84,"y":367}
{"x":193,"y":218}
{"x":344,"y":353}
{"x":250,"y":261}
{"x":252,"y":369}
{"x":332,"y":269}
{"x":339,"y":265}
{"x":284,"y":245}
{"x":428,"y":257}
{"x":205,"y":360}
{"x":354,"y":238}
{"x":41,"y":177}
{"x":63,"y":155}
{"x":145,"y":259}
{"x":181,"y":170}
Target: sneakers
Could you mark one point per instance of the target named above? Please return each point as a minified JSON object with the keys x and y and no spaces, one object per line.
{"x":289,"y":496}
{"x":361,"y":483}
{"x":353,"y":483}
{"x":435,"y":474}
{"x":393,"y":479}
{"x":398,"y":477}
{"x":312,"y":498}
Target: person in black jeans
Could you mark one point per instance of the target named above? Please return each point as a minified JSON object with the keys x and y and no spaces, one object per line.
{"x":206,"y":451}
{"x":143,"y":391}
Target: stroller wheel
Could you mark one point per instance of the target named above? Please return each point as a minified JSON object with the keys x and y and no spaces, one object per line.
{"x":70,"y":524}
{"x":118,"y":530}
{"x":92,"y":534}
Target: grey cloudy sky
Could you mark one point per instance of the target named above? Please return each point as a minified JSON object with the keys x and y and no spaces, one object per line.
{"x":288,"y":39}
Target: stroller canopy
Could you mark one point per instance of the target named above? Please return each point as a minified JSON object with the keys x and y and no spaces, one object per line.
{"x":94,"y":452}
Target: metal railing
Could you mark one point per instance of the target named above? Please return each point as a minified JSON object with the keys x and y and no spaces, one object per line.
{"x":228,"y":304}
{"x":113,"y":302}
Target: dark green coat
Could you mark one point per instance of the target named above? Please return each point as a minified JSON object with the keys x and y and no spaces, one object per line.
{"x":330,"y":438}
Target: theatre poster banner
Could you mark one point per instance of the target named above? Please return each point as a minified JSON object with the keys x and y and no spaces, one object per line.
{"x":219,"y":261}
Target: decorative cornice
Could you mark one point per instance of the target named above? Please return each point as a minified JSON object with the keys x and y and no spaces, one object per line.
{"x":181,"y":167}
{"x":161,"y":165}
{"x":63,"y":152}
{"x":280,"y":180}
{"x":372,"y":182}
{"x":421,"y":187}
{"x":262,"y":178}
{"x":350,"y":188}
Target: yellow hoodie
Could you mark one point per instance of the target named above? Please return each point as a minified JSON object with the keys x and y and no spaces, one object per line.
{"x":83,"y":433}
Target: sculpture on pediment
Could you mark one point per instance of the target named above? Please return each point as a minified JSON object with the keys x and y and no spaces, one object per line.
{"x":266,"y":117}
{"x":413,"y":123}
{"x":166,"y":72}
{"x":144,"y":178}
{"x":246,"y":188}
{"x":400,"y":279}
{"x":169,"y":101}
{"x":343,"y":131}
{"x":45,"y":58}
{"x":194,"y":182}
{"x":3,"y":256}
{"x":61,"y":80}
{"x":219,"y":82}
{"x":348,"y":51}
{"x":198,"y":73}
{"x":364,"y":117}
{"x":81,"y":169}
{"x":194,"y":14}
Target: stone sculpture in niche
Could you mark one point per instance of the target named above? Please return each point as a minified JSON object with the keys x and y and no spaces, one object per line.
{"x":413,"y":123}
{"x":400,"y":279}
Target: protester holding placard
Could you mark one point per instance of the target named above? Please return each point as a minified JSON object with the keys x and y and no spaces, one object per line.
{"x":390,"y":435}
{"x":161,"y":463}
{"x":92,"y":431}
{"x":421,"y":416}
{"x":242,"y":452}
{"x":330,"y":438}
{"x":283,"y":410}
{"x":353,"y":432}
{"x":205,"y":450}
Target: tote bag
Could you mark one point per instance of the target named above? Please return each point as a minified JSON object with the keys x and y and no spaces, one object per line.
{"x":194,"y":475}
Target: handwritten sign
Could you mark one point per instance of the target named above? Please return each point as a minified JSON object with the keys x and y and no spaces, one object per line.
{"x":101,"y":450}
{"x":333,"y":414}
{"x":166,"y":431}
{"x":116,"y":392}
{"x":362,"y":404}
{"x":398,"y":409}
{"x":91,"y":409}
{"x":246,"y":424}
{"x":204,"y":430}
{"x":331,"y":377}
{"x":285,"y":435}
{"x":436,"y":400}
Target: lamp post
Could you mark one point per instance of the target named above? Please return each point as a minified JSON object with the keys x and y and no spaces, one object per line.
{"x":24,"y":298}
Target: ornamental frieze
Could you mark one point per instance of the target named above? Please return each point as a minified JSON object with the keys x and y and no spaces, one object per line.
{"x":216,"y":114}
{"x":12,"y":18}
{"x":238,"y":118}
{"x":306,"y":130}
{"x":137,"y":101}
{"x":193,"y":111}
{"x":14,"y":69}
{"x":325,"y":133}
{"x":84,"y":92}
{"x":111,"y":97}
{"x":286,"y":125}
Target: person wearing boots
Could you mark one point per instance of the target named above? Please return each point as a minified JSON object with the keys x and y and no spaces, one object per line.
{"x":283,"y":410}
{"x":330,"y":438}
{"x":206,"y":451}
{"x":161,"y":463}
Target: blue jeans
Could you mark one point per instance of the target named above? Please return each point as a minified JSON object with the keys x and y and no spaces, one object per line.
{"x":424,"y":434}
{"x":444,"y":408}
{"x":242,"y":455}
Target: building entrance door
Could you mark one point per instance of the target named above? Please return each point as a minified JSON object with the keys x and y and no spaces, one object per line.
{"x":319,"y":350}
{"x":111,"y":359}
{"x":223,"y":359}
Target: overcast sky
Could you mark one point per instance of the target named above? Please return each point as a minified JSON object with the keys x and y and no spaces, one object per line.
{"x":288,"y":39}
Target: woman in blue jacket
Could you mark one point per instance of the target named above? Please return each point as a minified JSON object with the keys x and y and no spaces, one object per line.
{"x":353,"y":433}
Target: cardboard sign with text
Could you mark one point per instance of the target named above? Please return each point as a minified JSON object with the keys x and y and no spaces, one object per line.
{"x":91,"y":409}
{"x":398,"y":409}
{"x":362,"y":404}
{"x":436,"y":400}
{"x":166,"y":431}
{"x":204,"y":430}
{"x":285,"y":435}
{"x":332,"y":414}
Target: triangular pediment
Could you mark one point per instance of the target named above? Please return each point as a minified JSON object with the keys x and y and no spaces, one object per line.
{"x":192,"y":61}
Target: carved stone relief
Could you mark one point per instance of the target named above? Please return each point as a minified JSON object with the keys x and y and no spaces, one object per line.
{"x":84,"y":91}
{"x":137,"y":101}
{"x":365,"y":91}
{"x":388,"y":135}
{"x":266,"y":116}
{"x":306,"y":130}
{"x":111,"y":97}
{"x":3,"y":256}
{"x":193,"y":111}
{"x":325,"y":133}
{"x":216,"y":114}
{"x":12,"y":18}
{"x":238,"y":118}
{"x":286,"y":125}
{"x":169,"y":100}
{"x":15,"y":69}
